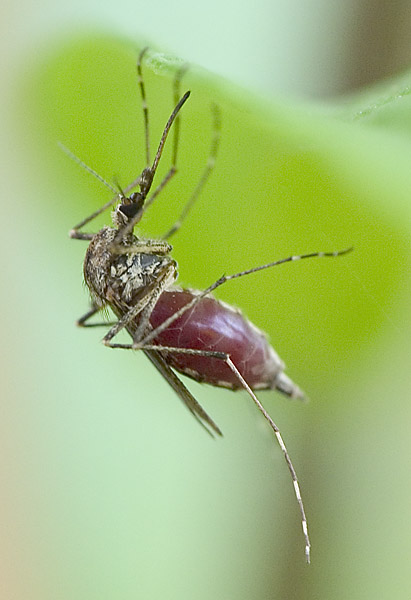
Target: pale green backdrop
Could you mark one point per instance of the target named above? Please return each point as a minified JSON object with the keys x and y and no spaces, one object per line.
{"x":110,"y":489}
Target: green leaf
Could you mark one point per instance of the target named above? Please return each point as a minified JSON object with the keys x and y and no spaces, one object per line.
{"x":290,"y":178}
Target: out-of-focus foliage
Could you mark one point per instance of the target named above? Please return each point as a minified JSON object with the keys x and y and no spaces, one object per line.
{"x":126,"y":495}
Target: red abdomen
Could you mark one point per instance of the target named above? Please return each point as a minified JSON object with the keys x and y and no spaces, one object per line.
{"x":213,"y":326}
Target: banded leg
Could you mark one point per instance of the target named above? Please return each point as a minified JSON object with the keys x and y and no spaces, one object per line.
{"x":226,"y":278}
{"x":144,"y":104}
{"x":147,"y":175}
{"x":226,"y":358}
{"x":215,"y":141}
{"x":176,"y":139}
{"x":174,"y":118}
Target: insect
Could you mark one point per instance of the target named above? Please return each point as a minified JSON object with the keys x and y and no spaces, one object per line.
{"x":179,"y":330}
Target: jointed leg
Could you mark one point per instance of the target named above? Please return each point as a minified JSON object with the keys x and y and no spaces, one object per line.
{"x":226,"y":358}
{"x":287,"y":457}
{"x":176,"y":139}
{"x":205,"y":175}
{"x":142,"y":247}
{"x":146,"y":178}
{"x":226,"y":278}
{"x":144,"y":104}
{"x":183,"y":393}
{"x":144,"y":321}
{"x":75,"y":233}
{"x":145,"y":302}
{"x":173,"y":168}
{"x":81,"y":322}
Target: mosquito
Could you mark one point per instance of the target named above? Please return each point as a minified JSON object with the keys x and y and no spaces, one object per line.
{"x":180,"y":330}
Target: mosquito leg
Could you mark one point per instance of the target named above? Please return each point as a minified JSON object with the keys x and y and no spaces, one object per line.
{"x":143,"y":247}
{"x":126,"y":319}
{"x":176,"y":95}
{"x":205,"y":175}
{"x":226,"y":358}
{"x":143,"y":346}
{"x":283,"y":447}
{"x":78,"y":235}
{"x":75,"y":233}
{"x":148,"y":300}
{"x":144,"y":104}
{"x":150,"y":336}
{"x":174,"y":118}
{"x":102,"y":324}
{"x":145,"y":179}
{"x":144,"y":321}
{"x":147,"y":175}
{"x":176,"y":139}
{"x":182,"y":392}
{"x":82,"y":320}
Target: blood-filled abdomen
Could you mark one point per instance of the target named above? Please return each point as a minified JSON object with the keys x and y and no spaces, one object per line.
{"x":211,"y":325}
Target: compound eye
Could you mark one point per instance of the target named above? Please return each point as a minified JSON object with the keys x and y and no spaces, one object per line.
{"x":129,"y":210}
{"x":132,"y":205}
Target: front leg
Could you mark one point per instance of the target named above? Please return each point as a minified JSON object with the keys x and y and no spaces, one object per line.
{"x":141,"y":247}
{"x":81,"y":322}
{"x":143,"y":307}
{"x":76,"y":234}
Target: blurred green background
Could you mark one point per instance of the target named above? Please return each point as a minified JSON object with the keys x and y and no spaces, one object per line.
{"x":109,"y":487}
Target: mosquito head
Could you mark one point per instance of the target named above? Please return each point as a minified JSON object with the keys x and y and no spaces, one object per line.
{"x":128,"y":210}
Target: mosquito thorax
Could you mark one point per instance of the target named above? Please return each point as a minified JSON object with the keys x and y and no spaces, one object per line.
{"x":97,"y":261}
{"x":115,"y":277}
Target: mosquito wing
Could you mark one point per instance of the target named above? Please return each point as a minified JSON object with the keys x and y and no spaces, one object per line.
{"x":183,"y":393}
